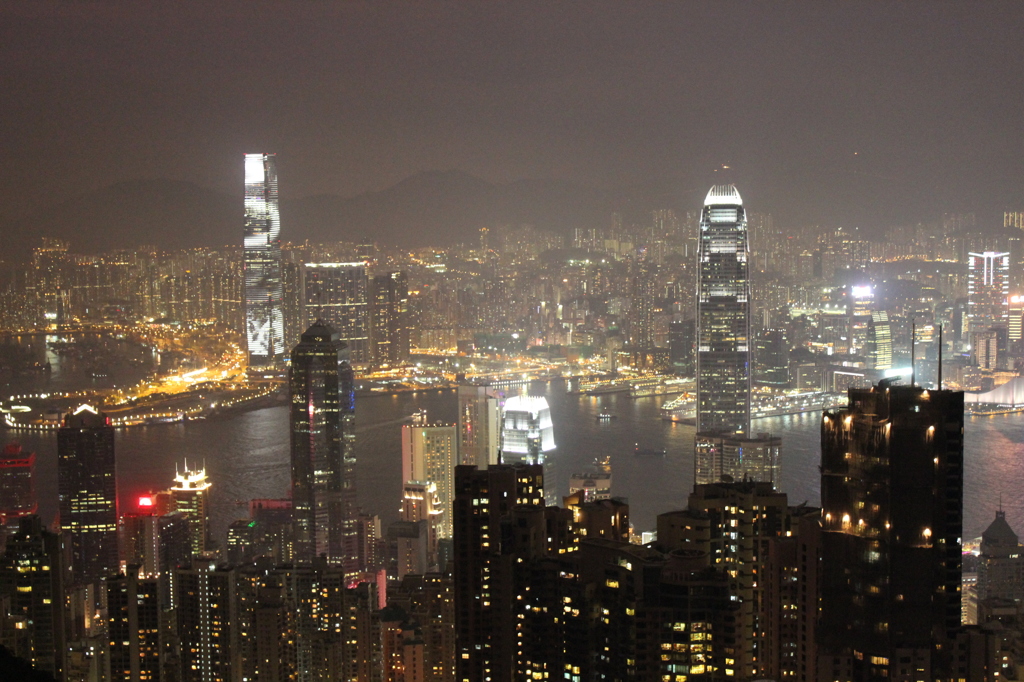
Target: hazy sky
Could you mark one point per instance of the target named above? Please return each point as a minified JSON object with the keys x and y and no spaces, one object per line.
{"x":831,"y":112}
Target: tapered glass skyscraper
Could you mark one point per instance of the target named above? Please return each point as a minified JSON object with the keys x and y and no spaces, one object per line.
{"x":723,"y":315}
{"x":264,"y":318}
{"x":322,"y":440}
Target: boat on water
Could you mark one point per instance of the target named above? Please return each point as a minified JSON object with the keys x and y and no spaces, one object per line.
{"x":605,"y":416}
{"x":648,"y":452}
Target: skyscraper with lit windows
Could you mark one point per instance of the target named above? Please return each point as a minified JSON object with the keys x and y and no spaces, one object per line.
{"x":723,"y":315}
{"x":87,"y":485}
{"x":264,"y":293}
{"x":322,"y":449}
{"x":988,"y":289}
{"x":338,"y":295}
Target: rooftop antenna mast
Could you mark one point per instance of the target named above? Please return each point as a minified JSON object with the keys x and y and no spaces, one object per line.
{"x":940,"y":357}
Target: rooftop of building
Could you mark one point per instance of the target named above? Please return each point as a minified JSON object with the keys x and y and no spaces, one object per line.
{"x":723,"y":195}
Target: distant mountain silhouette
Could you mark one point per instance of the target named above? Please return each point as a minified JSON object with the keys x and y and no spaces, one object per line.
{"x":166,"y":213}
{"x":435,"y":207}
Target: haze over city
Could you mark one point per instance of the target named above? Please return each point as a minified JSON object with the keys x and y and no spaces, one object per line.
{"x":846,"y":114}
{"x":511,"y":341}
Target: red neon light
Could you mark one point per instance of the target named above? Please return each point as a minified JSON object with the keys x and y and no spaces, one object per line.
{"x":145,"y":501}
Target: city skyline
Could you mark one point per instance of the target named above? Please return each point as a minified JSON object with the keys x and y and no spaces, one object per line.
{"x":837,"y":121}
{"x":611,"y":425}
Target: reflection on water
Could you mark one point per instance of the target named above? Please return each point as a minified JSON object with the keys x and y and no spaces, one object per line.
{"x":246,"y":455}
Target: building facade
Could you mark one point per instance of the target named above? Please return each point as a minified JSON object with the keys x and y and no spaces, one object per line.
{"x":723,"y":315}
{"x":17,"y":483}
{"x":389,"y":318}
{"x":892,"y":498}
{"x":87,"y":486}
{"x":264,"y":292}
{"x":429,"y":454}
{"x":479,"y":425}
{"x":322,"y":448}
{"x":338,"y":295}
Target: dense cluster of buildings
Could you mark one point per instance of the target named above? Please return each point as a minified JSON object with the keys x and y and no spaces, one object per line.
{"x":481,"y":579}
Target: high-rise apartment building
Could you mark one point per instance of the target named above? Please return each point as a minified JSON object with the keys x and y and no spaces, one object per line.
{"x":87,"y":485}
{"x":479,"y":425}
{"x":747,"y":531}
{"x":322,"y":448}
{"x":389,"y":318}
{"x":32,"y":587}
{"x":484,"y":619}
{"x":17,"y":483}
{"x":191,"y":492}
{"x":338,"y":295}
{"x":643,"y":277}
{"x":892,"y":497}
{"x":264,"y":292}
{"x":430,"y":453}
{"x":988,"y":289}
{"x":207,"y":621}
{"x":723,"y":315}
{"x":134,"y":624}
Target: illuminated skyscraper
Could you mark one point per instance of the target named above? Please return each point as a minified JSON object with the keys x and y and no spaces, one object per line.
{"x":723,"y":315}
{"x":322,"y":449}
{"x":479,"y":426}
{"x":191,"y":491}
{"x":430,"y":453}
{"x":641,"y":312}
{"x":527,"y":432}
{"x":879,"y":341}
{"x":389,"y":318}
{"x":338,"y":295}
{"x":264,"y":292}
{"x":87,"y":485}
{"x":988,"y":289}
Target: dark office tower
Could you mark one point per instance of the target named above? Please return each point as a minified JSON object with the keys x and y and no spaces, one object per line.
{"x":32,"y":578}
{"x":892,"y":496}
{"x":771,"y":359}
{"x":643,"y":277}
{"x":389,"y":317}
{"x":264,"y":318}
{"x":135,"y":651}
{"x":681,"y":341}
{"x":293,"y":312}
{"x":338,"y":295}
{"x":323,"y":457}
{"x":723,"y":315}
{"x":482,"y":515}
{"x":17,"y":483}
{"x":88,"y":493}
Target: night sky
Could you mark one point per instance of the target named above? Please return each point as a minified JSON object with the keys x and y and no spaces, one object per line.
{"x":867,"y":113}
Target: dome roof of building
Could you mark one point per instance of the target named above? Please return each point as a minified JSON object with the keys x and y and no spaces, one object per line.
{"x":723,"y":195}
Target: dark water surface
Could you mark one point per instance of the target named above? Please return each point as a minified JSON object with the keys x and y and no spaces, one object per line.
{"x":246,"y":456}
